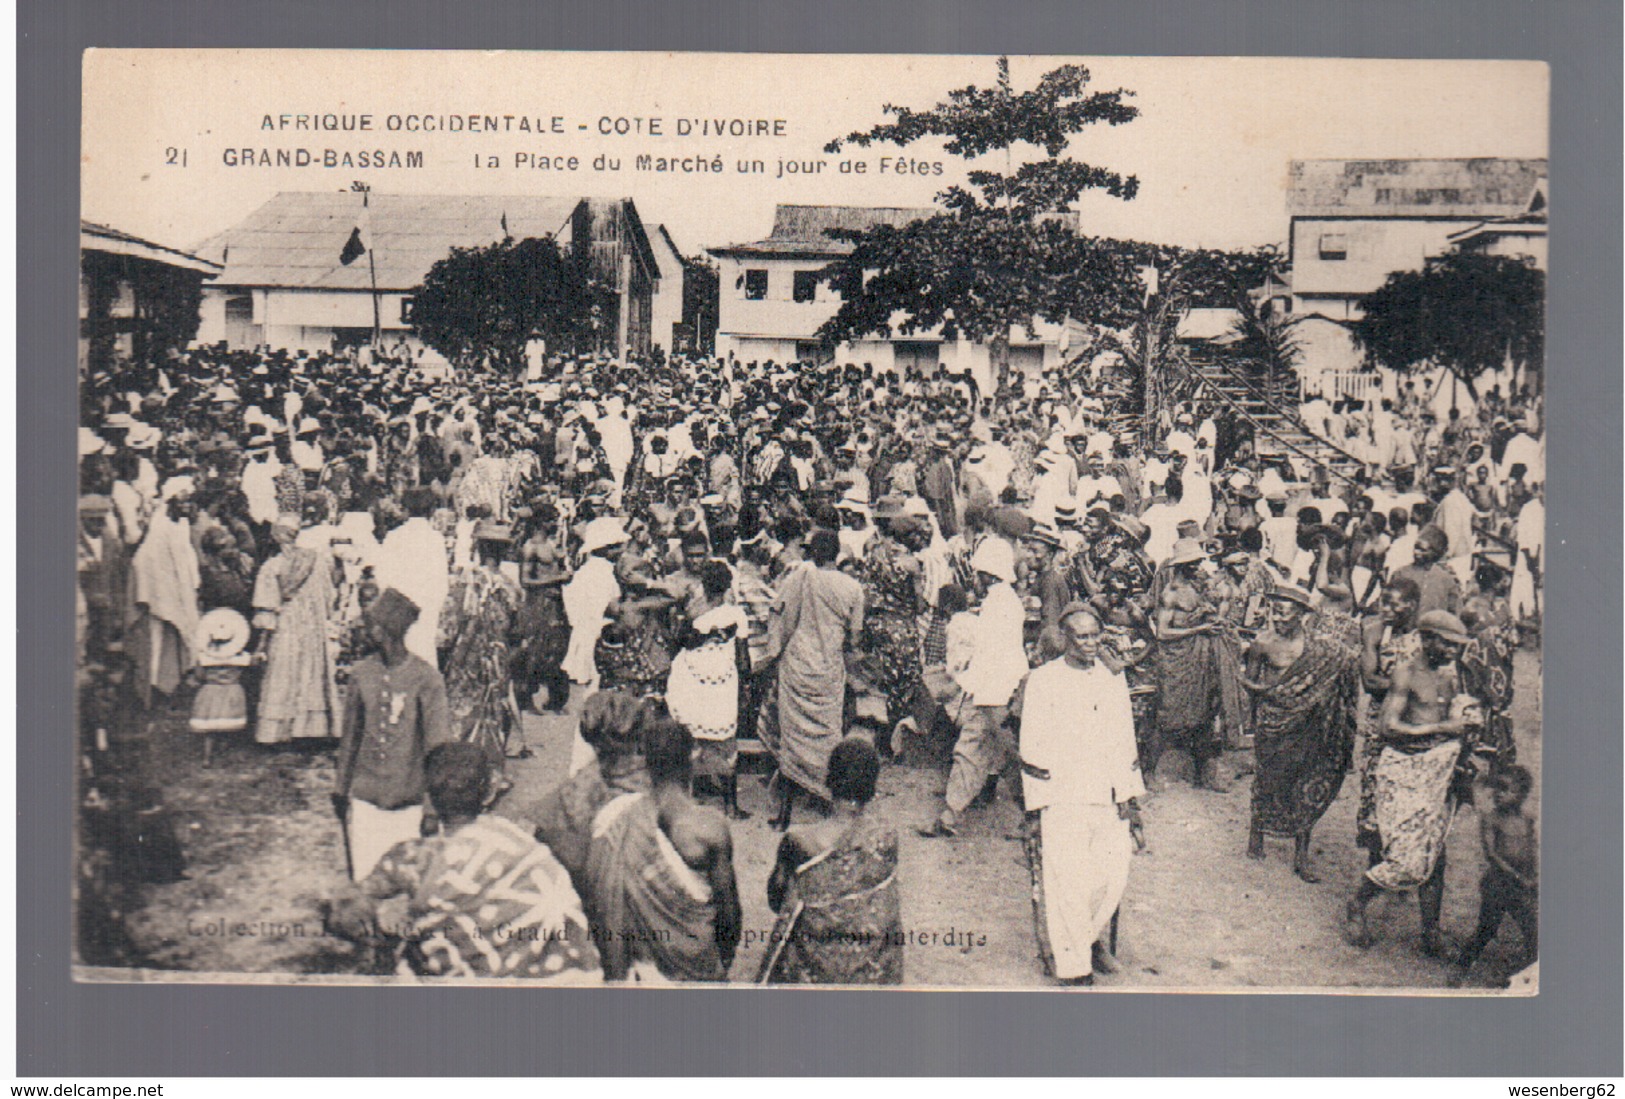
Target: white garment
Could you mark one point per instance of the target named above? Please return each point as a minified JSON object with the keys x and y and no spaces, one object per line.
{"x":586,"y":599}
{"x":1163,"y":521}
{"x":999,"y":660}
{"x":1077,"y":726}
{"x":1525,"y":449}
{"x":1091,"y":489}
{"x":413,"y":561}
{"x":259,"y":488}
{"x":1531,"y":536}
{"x":1454,"y":516}
{"x":373,"y":831}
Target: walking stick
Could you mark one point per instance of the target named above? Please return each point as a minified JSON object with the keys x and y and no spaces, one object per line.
{"x":344,"y":838}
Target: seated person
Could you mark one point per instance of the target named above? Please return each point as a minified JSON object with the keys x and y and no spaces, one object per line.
{"x":479,"y":899}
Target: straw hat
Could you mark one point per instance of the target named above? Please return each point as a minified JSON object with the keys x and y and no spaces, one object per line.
{"x":222,"y":633}
{"x":1291,"y":593}
{"x":995,"y":557}
{"x":606,"y":530}
{"x":1186,"y":550}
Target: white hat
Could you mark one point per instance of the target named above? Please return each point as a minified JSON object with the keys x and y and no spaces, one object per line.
{"x":176,"y":487}
{"x":144,"y":436}
{"x":309,"y":426}
{"x":853,"y":500}
{"x":720,"y":618}
{"x":606,"y":530}
{"x":996,"y":558}
{"x":90,"y":442}
{"x":222,"y":633}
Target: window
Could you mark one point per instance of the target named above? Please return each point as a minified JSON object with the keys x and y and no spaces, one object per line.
{"x":406,"y":310}
{"x":755,"y":284}
{"x":804,"y":286}
{"x":1334,"y":246}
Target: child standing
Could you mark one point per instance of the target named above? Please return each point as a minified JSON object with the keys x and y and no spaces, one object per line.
{"x":220,"y":705}
{"x":1510,"y":886}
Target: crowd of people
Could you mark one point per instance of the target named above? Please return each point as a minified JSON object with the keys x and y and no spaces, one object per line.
{"x":851,"y":568}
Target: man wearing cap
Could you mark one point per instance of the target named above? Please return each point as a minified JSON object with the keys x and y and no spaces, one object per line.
{"x":394,"y":713}
{"x":998,"y":664}
{"x":1428,"y":723}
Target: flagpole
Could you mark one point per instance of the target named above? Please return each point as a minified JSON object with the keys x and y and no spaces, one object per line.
{"x":372,"y":270}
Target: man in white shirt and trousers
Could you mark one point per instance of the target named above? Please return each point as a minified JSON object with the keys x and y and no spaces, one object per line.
{"x":1080,"y":778}
{"x":997,"y":665}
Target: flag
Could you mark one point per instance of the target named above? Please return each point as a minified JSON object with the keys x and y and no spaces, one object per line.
{"x":353,"y":248}
{"x":505,"y":234}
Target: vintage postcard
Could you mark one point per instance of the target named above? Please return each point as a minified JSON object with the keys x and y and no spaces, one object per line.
{"x":899,"y":521}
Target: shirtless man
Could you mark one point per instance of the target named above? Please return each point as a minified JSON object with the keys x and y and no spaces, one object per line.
{"x":682,"y":921}
{"x":1423,"y":723}
{"x":1440,"y":590}
{"x":1272,"y":654}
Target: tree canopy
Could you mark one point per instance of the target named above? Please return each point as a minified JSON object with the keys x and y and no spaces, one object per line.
{"x":481,"y":306}
{"x":1465,"y":311}
{"x":997,"y":256}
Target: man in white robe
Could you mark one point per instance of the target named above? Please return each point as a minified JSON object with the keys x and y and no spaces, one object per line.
{"x":1080,"y":775}
{"x":414,"y":560}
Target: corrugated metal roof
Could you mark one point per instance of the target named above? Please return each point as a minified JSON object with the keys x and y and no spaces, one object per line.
{"x":104,"y":238}
{"x":813,"y":223}
{"x":1476,"y":187}
{"x":803,"y":230}
{"x":295,"y":239}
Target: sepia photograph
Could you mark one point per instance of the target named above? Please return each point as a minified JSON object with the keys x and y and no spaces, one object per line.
{"x":928,"y":522}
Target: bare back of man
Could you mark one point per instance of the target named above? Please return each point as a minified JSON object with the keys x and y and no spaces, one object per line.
{"x":701,"y":837}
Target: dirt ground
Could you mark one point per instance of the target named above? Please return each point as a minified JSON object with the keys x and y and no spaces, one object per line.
{"x":263,"y":850}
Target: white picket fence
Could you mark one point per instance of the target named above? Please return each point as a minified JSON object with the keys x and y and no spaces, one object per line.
{"x":1361,"y":385}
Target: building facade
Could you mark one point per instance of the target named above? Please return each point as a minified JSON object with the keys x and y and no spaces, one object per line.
{"x":1355,"y":222}
{"x":284,"y":284}
{"x":773,"y":303}
{"x":135,"y":297}
{"x":666,"y":329}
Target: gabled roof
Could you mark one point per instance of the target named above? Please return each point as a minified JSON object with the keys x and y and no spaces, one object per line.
{"x":103,"y":238}
{"x":1477,"y":187}
{"x":295,"y":239}
{"x":665,"y":250}
{"x":803,"y":230}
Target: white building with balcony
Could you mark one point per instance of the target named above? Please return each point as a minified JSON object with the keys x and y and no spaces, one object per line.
{"x":772,"y":302}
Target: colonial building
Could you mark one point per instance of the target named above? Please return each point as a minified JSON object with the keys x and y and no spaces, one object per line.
{"x":1355,"y":222}
{"x":666,"y":329}
{"x":773,"y":302}
{"x":134,"y":296}
{"x":284,"y":282}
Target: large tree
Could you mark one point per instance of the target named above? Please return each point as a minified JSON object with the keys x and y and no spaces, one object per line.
{"x":995,"y":258}
{"x":481,"y":306}
{"x":1467,"y":312}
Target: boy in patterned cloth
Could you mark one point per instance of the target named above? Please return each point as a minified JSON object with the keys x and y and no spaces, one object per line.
{"x":482,"y":898}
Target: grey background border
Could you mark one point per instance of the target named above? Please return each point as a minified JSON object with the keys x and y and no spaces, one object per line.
{"x":1573,"y":1028}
